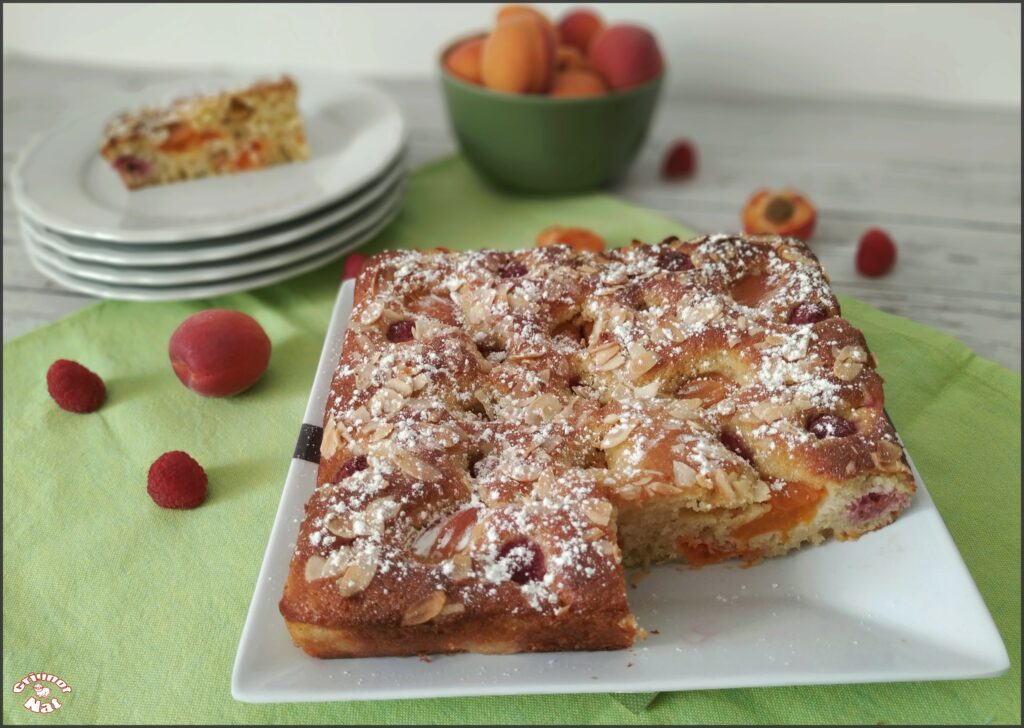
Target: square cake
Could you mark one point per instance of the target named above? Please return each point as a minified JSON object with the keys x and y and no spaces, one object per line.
{"x":506,"y":431}
{"x":208,"y":134}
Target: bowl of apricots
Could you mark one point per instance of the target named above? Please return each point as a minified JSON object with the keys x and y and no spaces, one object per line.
{"x":548,"y":107}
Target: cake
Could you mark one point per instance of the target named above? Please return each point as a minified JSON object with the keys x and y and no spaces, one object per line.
{"x":210,"y":134}
{"x":506,"y":431}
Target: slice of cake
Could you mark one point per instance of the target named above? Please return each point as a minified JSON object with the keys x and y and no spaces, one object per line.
{"x":224,"y":133}
{"x":505,"y":431}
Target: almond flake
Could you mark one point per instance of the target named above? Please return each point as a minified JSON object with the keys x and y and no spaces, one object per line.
{"x":424,"y":610}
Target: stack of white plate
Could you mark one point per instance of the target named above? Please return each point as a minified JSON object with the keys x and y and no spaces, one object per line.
{"x":86,"y":231}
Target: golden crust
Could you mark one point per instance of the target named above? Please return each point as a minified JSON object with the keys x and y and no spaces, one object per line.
{"x":501,"y":423}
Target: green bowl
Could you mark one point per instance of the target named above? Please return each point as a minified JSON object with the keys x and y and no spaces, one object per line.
{"x":532,"y":143}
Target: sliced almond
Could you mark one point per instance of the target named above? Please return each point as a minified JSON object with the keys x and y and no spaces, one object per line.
{"x":424,"y":610}
{"x":649,"y":390}
{"x":381,"y":511}
{"x":461,"y":567}
{"x":849,"y":362}
{"x":604,"y":352}
{"x":358,"y":575}
{"x":770,"y":411}
{"x":331,"y":440}
{"x":378,"y":430}
{"x":402,"y":385}
{"x":451,"y":609}
{"x":724,"y":483}
{"x":340,"y":525}
{"x":386,"y":401}
{"x":700,"y":312}
{"x":542,"y":408}
{"x":611,"y":364}
{"x":617,"y":435}
{"x":641,"y":361}
{"x":315,"y":568}
{"x":599,"y":512}
{"x":420,"y":381}
{"x":684,"y":475}
{"x":662,"y":488}
{"x":413,"y":466}
{"x":371,"y":312}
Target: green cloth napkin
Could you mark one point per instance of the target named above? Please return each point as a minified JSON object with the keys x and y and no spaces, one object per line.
{"x":140,"y":609}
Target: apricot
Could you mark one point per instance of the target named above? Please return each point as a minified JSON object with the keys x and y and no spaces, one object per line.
{"x":626,"y":55}
{"x":569,"y":58}
{"x":577,"y":83}
{"x":507,"y":12}
{"x":464,"y":60}
{"x":579,"y":27}
{"x":579,"y":239}
{"x":219,"y":352}
{"x":519,"y":56}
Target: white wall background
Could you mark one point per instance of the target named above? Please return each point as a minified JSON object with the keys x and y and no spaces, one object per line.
{"x":965,"y":53}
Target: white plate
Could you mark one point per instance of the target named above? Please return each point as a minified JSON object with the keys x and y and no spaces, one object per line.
{"x":898,"y":604}
{"x":354,"y":132}
{"x":217,"y":249}
{"x":186,"y":275}
{"x":203,"y":290}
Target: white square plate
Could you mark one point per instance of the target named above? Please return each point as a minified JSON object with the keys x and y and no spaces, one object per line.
{"x":898,"y":604}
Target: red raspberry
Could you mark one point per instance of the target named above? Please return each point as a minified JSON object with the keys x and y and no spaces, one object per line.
{"x":401,"y":331}
{"x":681,"y":160}
{"x":353,"y":264}
{"x":73,"y":387}
{"x":877,"y":253}
{"x":526,"y":560}
{"x":176,"y":481}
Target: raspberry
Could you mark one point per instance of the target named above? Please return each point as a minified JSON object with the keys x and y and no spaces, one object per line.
{"x":681,"y":160}
{"x":735,"y":443}
{"x":176,"y":481}
{"x":674,"y":260}
{"x":876,"y":254}
{"x":525,"y":560}
{"x":401,"y":331}
{"x":827,"y":425}
{"x":807,"y":313}
{"x":73,"y":387}
{"x":513,"y":269}
{"x":353,"y":264}
{"x":350,"y":467}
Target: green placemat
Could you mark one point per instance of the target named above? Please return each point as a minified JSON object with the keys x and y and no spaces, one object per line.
{"x":140,"y":609}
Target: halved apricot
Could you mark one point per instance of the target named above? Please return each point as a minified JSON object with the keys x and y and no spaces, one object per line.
{"x":779,"y":212}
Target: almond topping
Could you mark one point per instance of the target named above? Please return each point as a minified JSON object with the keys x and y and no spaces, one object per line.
{"x":413,"y":466}
{"x":331,"y":440}
{"x":378,"y":430}
{"x":684,"y":475}
{"x":452,"y":608}
{"x":617,"y":435}
{"x":641,"y":361}
{"x":402,"y":385}
{"x":358,"y":575}
{"x":315,"y":568}
{"x":849,"y":362}
{"x":424,"y":610}
{"x":340,"y":525}
{"x":599,"y":512}
{"x":461,"y":567}
{"x":371,"y":312}
{"x":542,"y":408}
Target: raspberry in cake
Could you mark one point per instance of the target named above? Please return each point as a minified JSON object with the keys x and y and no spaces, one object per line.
{"x":506,"y":431}
{"x":213,"y":134}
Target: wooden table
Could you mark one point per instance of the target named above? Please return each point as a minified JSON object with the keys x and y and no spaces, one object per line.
{"x":944,"y":181}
